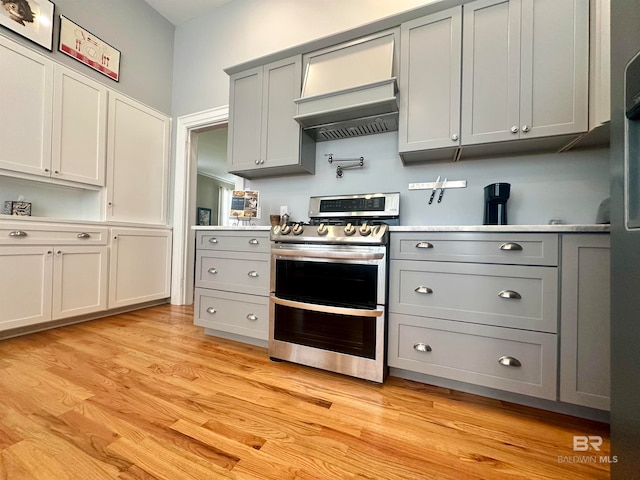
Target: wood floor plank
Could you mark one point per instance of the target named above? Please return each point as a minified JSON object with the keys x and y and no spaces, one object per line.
{"x":147,"y":395}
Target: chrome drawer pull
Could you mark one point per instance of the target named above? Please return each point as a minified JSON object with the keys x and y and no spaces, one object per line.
{"x":17,"y":233}
{"x":213,"y":240}
{"x":422,"y":347}
{"x":84,"y":235}
{"x":424,"y":245}
{"x":212,"y":271}
{"x":211,"y":310}
{"x":509,"y":294}
{"x":424,"y":290}
{"x":252,"y":317}
{"x":254,"y":241}
{"x":253,"y":273}
{"x":511,"y":246}
{"x":509,"y":361}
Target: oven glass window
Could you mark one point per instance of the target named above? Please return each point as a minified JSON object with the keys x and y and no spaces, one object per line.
{"x":338,"y":333}
{"x":327,"y":283}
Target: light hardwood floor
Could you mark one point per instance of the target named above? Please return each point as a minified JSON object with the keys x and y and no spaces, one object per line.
{"x":147,"y":395}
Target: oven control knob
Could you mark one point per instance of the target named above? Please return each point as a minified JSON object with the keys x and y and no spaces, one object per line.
{"x":297,"y":229}
{"x":322,"y":229}
{"x":276,"y":229}
{"x":364,"y":230}
{"x":349,"y":230}
{"x":285,"y":229}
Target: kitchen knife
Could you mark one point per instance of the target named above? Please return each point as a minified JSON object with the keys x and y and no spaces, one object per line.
{"x":433,"y":192}
{"x":442,"y":189}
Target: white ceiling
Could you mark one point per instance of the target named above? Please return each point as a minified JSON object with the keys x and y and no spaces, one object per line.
{"x":179,"y":11}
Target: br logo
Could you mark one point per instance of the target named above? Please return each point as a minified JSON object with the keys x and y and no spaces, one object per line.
{"x":583,"y":443}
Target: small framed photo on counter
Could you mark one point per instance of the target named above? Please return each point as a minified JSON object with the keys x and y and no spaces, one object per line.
{"x":203,"y":216}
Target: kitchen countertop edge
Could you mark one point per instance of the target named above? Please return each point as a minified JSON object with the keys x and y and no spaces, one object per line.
{"x":568,"y":228}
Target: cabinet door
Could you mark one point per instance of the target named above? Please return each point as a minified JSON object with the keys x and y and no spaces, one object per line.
{"x":139,"y":266}
{"x":79,"y":281}
{"x":138,"y":162}
{"x":491,"y":71}
{"x":585,"y":321}
{"x":26,"y":83}
{"x":25,"y":286}
{"x":555,"y":67}
{"x":245,"y":120}
{"x":79,"y":128}
{"x":430,"y":63}
{"x":280,"y":144}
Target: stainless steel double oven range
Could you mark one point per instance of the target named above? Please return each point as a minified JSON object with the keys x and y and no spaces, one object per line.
{"x":329,"y":285}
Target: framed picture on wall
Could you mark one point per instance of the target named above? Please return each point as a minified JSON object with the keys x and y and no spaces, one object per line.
{"x":33,"y":19}
{"x":203,"y":216}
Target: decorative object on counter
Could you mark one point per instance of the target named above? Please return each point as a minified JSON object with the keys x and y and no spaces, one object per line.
{"x":204,"y":216}
{"x":17,"y":208}
{"x":244,"y":205}
{"x":556,"y":221}
{"x":274,"y":219}
{"x":85,"y":47}
{"x":495,"y":203}
{"x":31,"y":19}
{"x":352,"y":163}
{"x":285,"y":219}
{"x":604,"y":211}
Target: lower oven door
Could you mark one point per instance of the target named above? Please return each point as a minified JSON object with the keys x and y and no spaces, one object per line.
{"x":344,"y":340}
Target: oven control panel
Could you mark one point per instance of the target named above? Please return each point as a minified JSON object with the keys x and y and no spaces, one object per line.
{"x":323,"y":233}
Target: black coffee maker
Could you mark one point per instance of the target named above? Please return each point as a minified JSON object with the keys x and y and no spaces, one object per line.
{"x":495,"y":203}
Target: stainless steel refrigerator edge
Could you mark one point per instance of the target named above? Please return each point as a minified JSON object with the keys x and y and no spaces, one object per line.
{"x":625,"y":260}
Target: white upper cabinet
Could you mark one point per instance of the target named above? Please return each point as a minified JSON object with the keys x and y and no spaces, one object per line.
{"x":26,"y":83}
{"x":430,"y":64}
{"x":264,"y":139}
{"x":138,"y":162}
{"x":79,"y":128}
{"x":525,"y":69}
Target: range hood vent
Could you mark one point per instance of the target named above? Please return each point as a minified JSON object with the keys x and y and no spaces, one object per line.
{"x":349,"y":90}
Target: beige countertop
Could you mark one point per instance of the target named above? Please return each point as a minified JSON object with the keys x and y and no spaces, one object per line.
{"x":586,"y":228}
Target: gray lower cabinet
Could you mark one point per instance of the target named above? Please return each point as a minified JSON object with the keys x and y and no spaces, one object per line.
{"x":477,"y":308}
{"x":584,"y":331}
{"x":232,"y":282}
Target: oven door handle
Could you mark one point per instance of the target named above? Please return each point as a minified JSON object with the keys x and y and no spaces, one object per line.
{"x":354,"y":312}
{"x":329,"y":255}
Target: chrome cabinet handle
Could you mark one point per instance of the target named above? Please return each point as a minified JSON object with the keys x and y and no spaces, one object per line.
{"x":509,"y":361}
{"x":253,"y":273}
{"x":258,"y":162}
{"x":213,"y":240}
{"x":422,"y":289}
{"x":514,"y":129}
{"x":211,"y":310}
{"x":84,"y":235}
{"x":454,"y":137}
{"x":511,"y":246}
{"x":509,"y":294}
{"x":18,"y":233}
{"x":254,"y":241}
{"x":422,"y":347}
{"x":526,"y":128}
{"x":212,"y":271}
{"x":252,"y":317}
{"x":424,"y":245}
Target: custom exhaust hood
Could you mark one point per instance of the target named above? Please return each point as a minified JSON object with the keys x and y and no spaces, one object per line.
{"x":350,"y":90}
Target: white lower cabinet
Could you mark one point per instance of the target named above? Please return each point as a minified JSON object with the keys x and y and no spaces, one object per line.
{"x":232,"y":282}
{"x":476,"y":308}
{"x":140,"y":266}
{"x":585,"y":325}
{"x":41,"y":282}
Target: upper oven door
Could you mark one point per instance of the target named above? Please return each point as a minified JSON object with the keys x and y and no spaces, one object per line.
{"x":350,"y":276}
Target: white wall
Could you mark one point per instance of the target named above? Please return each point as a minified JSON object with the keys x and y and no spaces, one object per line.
{"x":569,"y":185}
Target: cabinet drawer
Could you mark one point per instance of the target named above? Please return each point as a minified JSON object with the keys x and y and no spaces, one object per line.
{"x":500,"y":295}
{"x":515,"y":249}
{"x":257,"y":242}
{"x":233,"y":272}
{"x":23,"y":234}
{"x":470,"y":353}
{"x":246,"y":315}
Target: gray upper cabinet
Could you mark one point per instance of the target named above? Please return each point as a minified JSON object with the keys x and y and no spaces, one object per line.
{"x":264,"y":139}
{"x":525,"y":69}
{"x":430,"y":63}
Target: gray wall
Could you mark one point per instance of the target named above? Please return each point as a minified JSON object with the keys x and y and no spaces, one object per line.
{"x":144,"y":38}
{"x":569,"y":185}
